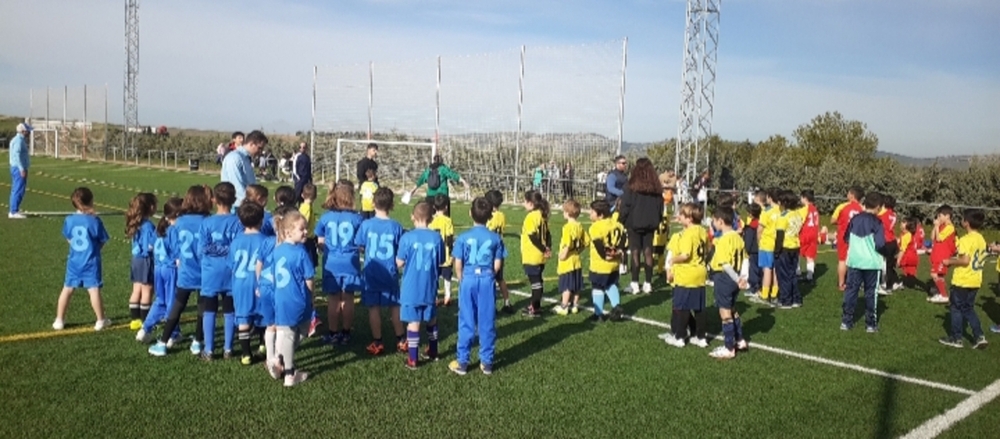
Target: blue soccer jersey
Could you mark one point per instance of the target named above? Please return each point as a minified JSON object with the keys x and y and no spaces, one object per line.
{"x":422,"y":252}
{"x":86,"y":235}
{"x":185,"y":234}
{"x":143,"y":240}
{"x":164,"y":251}
{"x":292,"y":299}
{"x":244,"y":254}
{"x":217,"y":233}
{"x":380,"y":239}
{"x":478,"y":248}
{"x":267,"y":226}
{"x":341,"y":254}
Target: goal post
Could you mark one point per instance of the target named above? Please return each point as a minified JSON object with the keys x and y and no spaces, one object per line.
{"x":399,"y":162}
{"x":44,"y":141}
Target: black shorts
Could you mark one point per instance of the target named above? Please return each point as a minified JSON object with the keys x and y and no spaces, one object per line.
{"x":692,"y":299}
{"x":640,"y":239}
{"x":311,"y":250}
{"x":725,"y":290}
{"x":659,"y":249}
{"x":533,"y":270}
{"x":367,"y":214}
{"x":603,"y":281}
{"x":446,"y":273}
{"x":572,"y":281}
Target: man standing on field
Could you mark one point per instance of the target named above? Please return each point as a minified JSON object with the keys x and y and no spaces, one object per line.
{"x":368,"y":162}
{"x":301,"y":170}
{"x":19,"y":162}
{"x":237,"y":166}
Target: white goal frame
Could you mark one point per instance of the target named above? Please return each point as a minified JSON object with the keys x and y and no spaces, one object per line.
{"x":380,"y":143}
{"x":44,"y":130}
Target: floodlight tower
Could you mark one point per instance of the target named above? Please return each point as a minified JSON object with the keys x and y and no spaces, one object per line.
{"x":131,"y":95}
{"x":701,"y":43}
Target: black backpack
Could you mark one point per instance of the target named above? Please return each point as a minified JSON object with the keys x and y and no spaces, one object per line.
{"x":434,"y":178}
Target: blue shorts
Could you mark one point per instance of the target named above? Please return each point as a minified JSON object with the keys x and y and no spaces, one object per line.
{"x":603,"y":281}
{"x":765,"y":259}
{"x":572,"y":281}
{"x":446,"y":273}
{"x":244,"y":304}
{"x":384,"y":298}
{"x":142,"y":270}
{"x":264,"y":313}
{"x":78,"y":278}
{"x":418,"y":313}
{"x":725,"y":291}
{"x":340,"y":283}
{"x":692,"y":299}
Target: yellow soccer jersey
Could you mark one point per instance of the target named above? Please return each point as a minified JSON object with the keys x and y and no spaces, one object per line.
{"x":497,"y":223}
{"x":767,"y":229}
{"x":575,"y":240}
{"x":791,"y":223}
{"x":971,"y":276}
{"x":535,"y":239}
{"x":729,"y":250}
{"x":368,"y":196}
{"x":692,"y":273}
{"x":606,"y":234}
{"x":662,"y":233}
{"x":446,"y":228}
{"x":672,"y":244}
{"x":836,"y":212}
{"x":307,"y":212}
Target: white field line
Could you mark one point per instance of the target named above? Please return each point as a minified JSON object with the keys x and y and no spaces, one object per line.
{"x":812,"y":358}
{"x":940,"y":423}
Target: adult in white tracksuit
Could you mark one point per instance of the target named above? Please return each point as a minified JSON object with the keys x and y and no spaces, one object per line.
{"x":19,"y":162}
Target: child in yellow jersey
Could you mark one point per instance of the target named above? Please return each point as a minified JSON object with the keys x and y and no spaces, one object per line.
{"x":607,"y":243}
{"x":623,"y":264}
{"x":660,"y":238}
{"x":442,"y":223}
{"x":570,"y":269}
{"x":690,"y":274}
{"x":966,"y":280}
{"x":497,"y":224}
{"x":671,"y":251}
{"x":731,"y":271}
{"x":767,"y":234}
{"x":306,"y":209}
{"x":536,"y":248}
{"x":786,"y":249}
{"x":367,"y":190}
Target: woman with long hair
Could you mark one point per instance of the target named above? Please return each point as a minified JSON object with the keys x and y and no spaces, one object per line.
{"x":641,"y":213}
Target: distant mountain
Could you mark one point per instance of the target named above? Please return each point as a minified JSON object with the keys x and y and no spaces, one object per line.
{"x":951,"y":162}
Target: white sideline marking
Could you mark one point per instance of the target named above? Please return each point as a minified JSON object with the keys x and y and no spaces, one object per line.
{"x":815,"y":359}
{"x":944,"y":421}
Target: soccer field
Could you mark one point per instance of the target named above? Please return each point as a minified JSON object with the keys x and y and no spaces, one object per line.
{"x":555,"y":376}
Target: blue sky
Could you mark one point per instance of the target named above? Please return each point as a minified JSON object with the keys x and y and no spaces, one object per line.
{"x":923,"y":74}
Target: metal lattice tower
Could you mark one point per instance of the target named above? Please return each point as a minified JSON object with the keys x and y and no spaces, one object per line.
{"x":701,"y":43}
{"x":131,"y":95}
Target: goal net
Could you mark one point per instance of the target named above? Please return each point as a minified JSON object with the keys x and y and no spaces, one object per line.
{"x":44,"y":141}
{"x":548,"y":118}
{"x":399,"y":162}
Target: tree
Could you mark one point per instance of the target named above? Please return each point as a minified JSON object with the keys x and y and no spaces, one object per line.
{"x":830,"y":135}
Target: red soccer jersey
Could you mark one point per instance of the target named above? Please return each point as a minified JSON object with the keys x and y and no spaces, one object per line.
{"x":919,"y":237}
{"x":810,"y":223}
{"x":888,"y":218}
{"x":908,"y":245}
{"x":848,"y":212}
{"x":944,"y":246}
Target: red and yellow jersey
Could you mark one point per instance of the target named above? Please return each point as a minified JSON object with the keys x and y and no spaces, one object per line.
{"x":944,"y":244}
{"x":888,"y":217}
{"x":810,"y":221}
{"x":908,"y":247}
{"x":836,"y":212}
{"x":920,"y":237}
{"x":844,"y":216}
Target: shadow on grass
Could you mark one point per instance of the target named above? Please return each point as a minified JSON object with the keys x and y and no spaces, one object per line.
{"x":992,"y":310}
{"x":807,"y":287}
{"x":761,"y":324}
{"x":887,"y":408}
{"x":860,"y":307}
{"x":539,"y":342}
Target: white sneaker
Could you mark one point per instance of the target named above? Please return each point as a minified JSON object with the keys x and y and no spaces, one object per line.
{"x":897,"y":286}
{"x":647,"y":288}
{"x":722,"y":353}
{"x":102,"y":324}
{"x":709,"y":283}
{"x":633,"y":288}
{"x":700,"y":342}
{"x":172,"y":341}
{"x":58,"y":325}
{"x":937,"y":298}
{"x":275,"y":370}
{"x":883,"y":292}
{"x":144,"y":337}
{"x":622,"y":269}
{"x":15,"y":216}
{"x":674,"y":341}
{"x":664,"y":336}
{"x":298,"y":377}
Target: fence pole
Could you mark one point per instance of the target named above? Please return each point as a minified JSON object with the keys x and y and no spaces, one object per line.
{"x":621,"y":98}
{"x":517,"y":138}
{"x":437,"y":110}
{"x":312,"y":129}
{"x":371,"y":87}
{"x":84,"y":122}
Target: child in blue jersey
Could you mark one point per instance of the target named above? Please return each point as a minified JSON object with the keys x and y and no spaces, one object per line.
{"x":197,"y":205}
{"x":335,"y":231}
{"x":258,"y":194}
{"x":421,"y":253}
{"x":216,"y":235}
{"x":140,"y":230}
{"x":265,"y":313}
{"x":87,"y":236}
{"x":164,"y":274}
{"x":379,"y":237}
{"x":245,"y":254}
{"x":293,"y":284}
{"x":284,"y":196}
{"x":478,"y":254}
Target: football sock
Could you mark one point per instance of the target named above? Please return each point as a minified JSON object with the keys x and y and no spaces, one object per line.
{"x":133,"y":310}
{"x":942,"y":289}
{"x":432,"y":338}
{"x":598,"y":297}
{"x":270,"y":338}
{"x":229,"y":329}
{"x":143,"y":312}
{"x":810,"y":269}
{"x":447,"y":289}
{"x":244,"y":336}
{"x":679,"y":323}
{"x":260,"y":331}
{"x":699,"y":324}
{"x":536,"y":291}
{"x":738,"y":328}
{"x":208,"y":331}
{"x":613,"y":296}
{"x":412,"y":344}
{"x":729,"y":334}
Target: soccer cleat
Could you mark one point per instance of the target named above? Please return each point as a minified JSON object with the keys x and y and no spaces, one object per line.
{"x":135,"y":325}
{"x":871,"y":329}
{"x":15,"y":215}
{"x":402,"y":347}
{"x":226,"y":355}
{"x":980,"y":343}
{"x":486,"y":368}
{"x":633,"y":288}
{"x":742,"y":345}
{"x":530,"y":312}
{"x":722,"y":353}
{"x":784,"y":306}
{"x":574,"y":309}
{"x":375,"y":348}
{"x":426,"y":355}
{"x":331,"y":339}
{"x":295,"y":378}
{"x":897,"y":286}
{"x":158,"y":350}
{"x":561,"y":310}
{"x":938,"y":299}
{"x":883,"y":292}
{"x":597,"y":318}
{"x":617,"y":313}
{"x":995,"y":329}
{"x":58,"y":325}
{"x":246,"y":360}
{"x":699,"y":342}
{"x":953,"y":342}
{"x":674,"y":341}
{"x":144,"y":337}
{"x":410,"y":364}
{"x":345,"y":339}
{"x":102,"y":324}
{"x":647,"y":288}
{"x":457,"y":367}
{"x":507,"y":309}
{"x":206,"y":357}
{"x":174,"y":340}
{"x":845,"y":327}
{"x":756,"y":298}
{"x":664,"y":336}
{"x":195,"y":347}
{"x":275,"y":369}
{"x":262,"y":349}
{"x":797,"y":305}
{"x":313,"y":325}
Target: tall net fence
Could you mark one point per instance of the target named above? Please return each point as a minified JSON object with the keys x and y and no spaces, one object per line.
{"x":534,"y":117}
{"x":70,"y":122}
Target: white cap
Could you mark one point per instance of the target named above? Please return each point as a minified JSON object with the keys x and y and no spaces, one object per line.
{"x":24,"y":128}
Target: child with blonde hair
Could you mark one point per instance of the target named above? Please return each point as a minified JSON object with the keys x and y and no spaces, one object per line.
{"x":293,"y":284}
{"x":86,"y":236}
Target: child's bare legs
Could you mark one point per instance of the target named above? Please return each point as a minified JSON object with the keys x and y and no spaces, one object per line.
{"x":334,"y":306}
{"x":133,"y":306}
{"x":565,"y":298}
{"x":347,"y":311}
{"x":96,"y":302}
{"x":765,"y":283}
{"x":145,"y":300}
{"x":375,"y":321}
{"x":397,"y":324}
{"x":61,"y":306}
{"x":841,"y":274}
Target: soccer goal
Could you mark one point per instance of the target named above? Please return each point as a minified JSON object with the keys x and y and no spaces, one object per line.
{"x":399,"y":162}
{"x":45,"y":141}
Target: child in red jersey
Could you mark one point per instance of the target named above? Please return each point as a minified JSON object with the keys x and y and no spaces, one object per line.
{"x":891,"y":250}
{"x":809,"y":235}
{"x":907,"y":260}
{"x":942,"y":248}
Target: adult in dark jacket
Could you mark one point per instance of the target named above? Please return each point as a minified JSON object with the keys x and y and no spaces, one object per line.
{"x":301,"y":170}
{"x":615,"y":183}
{"x":641,"y":213}
{"x":368,"y":162}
